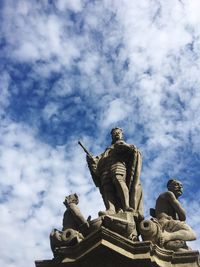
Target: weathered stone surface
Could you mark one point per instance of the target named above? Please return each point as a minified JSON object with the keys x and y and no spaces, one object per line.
{"x":106,"y":248}
{"x":74,"y":228}
{"x":117,"y":174}
{"x":121,"y":223}
{"x":168,"y":228}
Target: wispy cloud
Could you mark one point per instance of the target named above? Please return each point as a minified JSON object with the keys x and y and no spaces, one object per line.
{"x":74,"y":69}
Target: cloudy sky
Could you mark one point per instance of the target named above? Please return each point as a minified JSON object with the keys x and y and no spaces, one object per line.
{"x":73,"y":69}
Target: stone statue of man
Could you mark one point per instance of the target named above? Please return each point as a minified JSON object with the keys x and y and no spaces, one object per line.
{"x":172,"y":216}
{"x":117,"y":174}
{"x":168,"y":228}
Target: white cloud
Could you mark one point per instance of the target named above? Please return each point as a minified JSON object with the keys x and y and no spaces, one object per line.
{"x":50,"y":110}
{"x":35,"y":35}
{"x":116,"y":111}
{"x":4,"y":96}
{"x":62,"y":88}
{"x":75,"y":5}
{"x":127,"y":63}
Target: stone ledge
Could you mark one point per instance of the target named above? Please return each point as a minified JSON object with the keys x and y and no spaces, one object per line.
{"x":106,"y":248}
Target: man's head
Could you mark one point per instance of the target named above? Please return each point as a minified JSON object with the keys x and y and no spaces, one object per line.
{"x":175,"y":186}
{"x":117,"y":134}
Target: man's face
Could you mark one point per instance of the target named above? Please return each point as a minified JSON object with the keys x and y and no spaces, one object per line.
{"x":117,"y":135}
{"x":176,"y":188}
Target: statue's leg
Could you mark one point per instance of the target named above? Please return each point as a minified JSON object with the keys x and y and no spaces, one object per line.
{"x":185,"y":235}
{"x":177,"y":230}
{"x":122,"y":191}
{"x":108,"y":198}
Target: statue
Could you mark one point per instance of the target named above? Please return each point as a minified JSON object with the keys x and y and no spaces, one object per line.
{"x":75,"y":227}
{"x":168,"y":228}
{"x":114,"y":237}
{"x":73,"y":217}
{"x":117,"y":174}
{"x":72,"y":220}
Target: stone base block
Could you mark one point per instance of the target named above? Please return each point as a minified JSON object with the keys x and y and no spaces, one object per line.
{"x":105,"y":248}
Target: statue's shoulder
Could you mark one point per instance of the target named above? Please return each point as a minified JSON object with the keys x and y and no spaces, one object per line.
{"x":105,"y":152}
{"x":135,"y":149}
{"x":133,"y":146}
{"x":108,"y":148}
{"x":167,"y":195}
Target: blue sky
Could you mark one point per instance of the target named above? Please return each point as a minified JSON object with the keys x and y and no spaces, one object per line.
{"x":73,"y":69}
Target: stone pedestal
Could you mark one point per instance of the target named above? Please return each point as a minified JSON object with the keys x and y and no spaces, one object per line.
{"x":105,"y":248}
